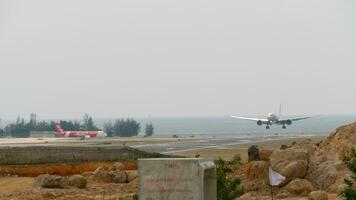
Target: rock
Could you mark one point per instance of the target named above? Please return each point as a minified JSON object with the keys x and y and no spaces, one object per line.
{"x":77,"y":181}
{"x":265,"y":154}
{"x":97,"y":171}
{"x":307,"y":145}
{"x":339,"y":143}
{"x":256,"y":176}
{"x":291,"y":163}
{"x":49,"y":181}
{"x":327,"y":175}
{"x":257,"y":170}
{"x":318,"y":195}
{"x":341,"y":188}
{"x":118,"y":176}
{"x":252,"y":196}
{"x":299,"y":186}
{"x":253,"y":153}
{"x":131,"y":175}
{"x":112,"y":176}
{"x":118,"y":166}
{"x":87,"y":174}
{"x":283,"y":147}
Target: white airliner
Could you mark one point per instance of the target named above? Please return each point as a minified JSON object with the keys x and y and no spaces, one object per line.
{"x":272,"y":119}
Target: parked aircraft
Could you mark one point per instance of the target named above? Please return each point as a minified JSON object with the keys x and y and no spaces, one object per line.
{"x":89,"y":134}
{"x":272,"y":119}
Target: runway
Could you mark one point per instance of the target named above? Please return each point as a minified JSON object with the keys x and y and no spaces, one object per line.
{"x":172,"y":147}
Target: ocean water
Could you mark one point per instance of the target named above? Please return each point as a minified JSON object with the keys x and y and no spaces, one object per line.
{"x":227,"y":126}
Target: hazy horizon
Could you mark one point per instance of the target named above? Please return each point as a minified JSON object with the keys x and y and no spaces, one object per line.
{"x":176,"y":59}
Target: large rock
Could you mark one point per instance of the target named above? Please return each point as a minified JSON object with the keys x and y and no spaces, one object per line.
{"x":118,"y":176}
{"x":55,"y":181}
{"x":256,"y":176}
{"x":131,"y":175}
{"x":265,"y":154}
{"x":49,"y":181}
{"x":112,"y":176}
{"x":339,"y":143}
{"x":328,"y":175}
{"x":77,"y":181}
{"x":299,"y":186}
{"x":307,"y":145}
{"x":257,"y":170}
{"x":253,"y":196}
{"x":291,"y":163}
{"x":253,"y":153}
{"x":318,"y":195}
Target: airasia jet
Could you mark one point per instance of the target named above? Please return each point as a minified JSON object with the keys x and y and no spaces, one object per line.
{"x":88,"y":134}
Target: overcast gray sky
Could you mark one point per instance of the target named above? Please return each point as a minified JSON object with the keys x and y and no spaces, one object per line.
{"x":139,"y":58}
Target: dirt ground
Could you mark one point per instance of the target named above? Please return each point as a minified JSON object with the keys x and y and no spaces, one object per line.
{"x":15,"y":184}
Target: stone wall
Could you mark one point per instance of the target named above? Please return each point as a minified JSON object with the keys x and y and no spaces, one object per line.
{"x":55,"y":154}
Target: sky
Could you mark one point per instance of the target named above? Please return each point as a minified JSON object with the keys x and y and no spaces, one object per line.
{"x":165,"y":58}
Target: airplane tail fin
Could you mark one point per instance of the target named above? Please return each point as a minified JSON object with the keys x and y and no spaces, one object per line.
{"x":59,"y":130}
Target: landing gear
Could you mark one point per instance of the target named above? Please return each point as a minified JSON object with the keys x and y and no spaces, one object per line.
{"x":267,"y":127}
{"x":284,"y":127}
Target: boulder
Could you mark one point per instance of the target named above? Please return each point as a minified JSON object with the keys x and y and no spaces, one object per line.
{"x":299,"y":186}
{"x":118,"y":166}
{"x":118,"y":176}
{"x":265,"y":154}
{"x":257,"y":170}
{"x":291,"y":163}
{"x":253,"y":153}
{"x":339,"y":143}
{"x":318,"y":195}
{"x":256,"y":176}
{"x":49,"y":181}
{"x":97,"y":171}
{"x":307,"y":145}
{"x":253,"y":196}
{"x":77,"y":181}
{"x":131,"y":175}
{"x":112,"y":176}
{"x":328,"y":175}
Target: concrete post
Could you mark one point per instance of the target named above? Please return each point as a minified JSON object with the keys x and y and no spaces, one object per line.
{"x":177,"y":179}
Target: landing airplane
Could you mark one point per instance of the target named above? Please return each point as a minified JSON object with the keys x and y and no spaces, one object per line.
{"x":88,"y":134}
{"x":272,"y":119}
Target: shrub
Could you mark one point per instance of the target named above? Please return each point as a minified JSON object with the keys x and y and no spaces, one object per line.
{"x":349,"y":192}
{"x":226,"y":185}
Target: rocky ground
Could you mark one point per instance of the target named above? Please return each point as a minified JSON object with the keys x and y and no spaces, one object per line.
{"x":109,"y":184}
{"x":313,"y":171}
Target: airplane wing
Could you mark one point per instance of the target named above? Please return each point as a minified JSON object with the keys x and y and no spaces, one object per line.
{"x":252,"y":119}
{"x":301,"y":118}
{"x":286,"y":121}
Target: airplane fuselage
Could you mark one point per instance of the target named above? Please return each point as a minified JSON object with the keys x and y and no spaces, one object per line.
{"x":273,"y":118}
{"x":84,"y":134}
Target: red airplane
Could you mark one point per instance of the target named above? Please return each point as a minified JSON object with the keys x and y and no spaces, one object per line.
{"x":89,"y":134}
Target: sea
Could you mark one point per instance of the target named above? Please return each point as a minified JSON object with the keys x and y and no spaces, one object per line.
{"x":228,"y":126}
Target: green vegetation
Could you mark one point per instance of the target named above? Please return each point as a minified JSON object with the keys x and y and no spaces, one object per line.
{"x":149,"y":130}
{"x":349,"y":192}
{"x":227,"y":185}
{"x":122,"y":128}
{"x":21,"y":128}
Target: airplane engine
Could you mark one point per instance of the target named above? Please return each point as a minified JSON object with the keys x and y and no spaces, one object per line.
{"x":259,"y":122}
{"x":289,"y":122}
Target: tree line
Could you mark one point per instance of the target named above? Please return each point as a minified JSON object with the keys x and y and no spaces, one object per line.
{"x":120,"y":127}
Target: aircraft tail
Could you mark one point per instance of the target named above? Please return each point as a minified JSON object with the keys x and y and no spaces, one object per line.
{"x":59,"y":130}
